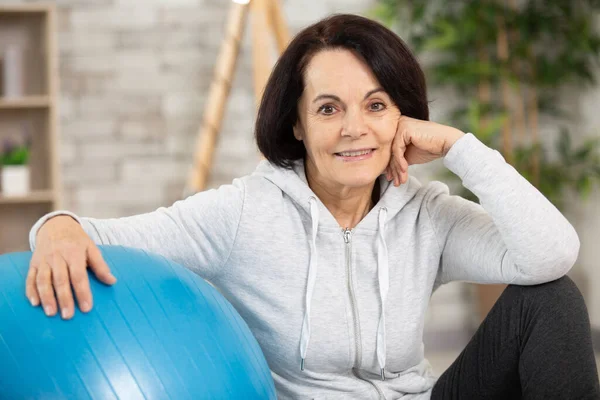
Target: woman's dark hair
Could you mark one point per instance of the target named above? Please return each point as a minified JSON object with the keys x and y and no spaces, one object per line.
{"x":394,"y":65}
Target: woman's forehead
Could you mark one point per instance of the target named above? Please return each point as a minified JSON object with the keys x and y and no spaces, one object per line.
{"x":338,"y":70}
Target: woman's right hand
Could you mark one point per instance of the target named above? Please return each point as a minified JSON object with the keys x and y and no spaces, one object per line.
{"x":62,"y":254}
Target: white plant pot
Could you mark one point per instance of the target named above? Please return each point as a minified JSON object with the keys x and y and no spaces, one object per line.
{"x":15,"y":180}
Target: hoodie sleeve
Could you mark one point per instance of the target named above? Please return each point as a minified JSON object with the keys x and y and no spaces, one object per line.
{"x":197,"y":232}
{"x":515,"y":235}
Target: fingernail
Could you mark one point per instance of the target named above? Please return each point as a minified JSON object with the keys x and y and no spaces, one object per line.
{"x":48,"y":310}
{"x":85,"y":306}
{"x":64,"y":313}
{"x":32,"y":301}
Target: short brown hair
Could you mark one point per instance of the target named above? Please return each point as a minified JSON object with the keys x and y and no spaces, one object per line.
{"x":391,"y":61}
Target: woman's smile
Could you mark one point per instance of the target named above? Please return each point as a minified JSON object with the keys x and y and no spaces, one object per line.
{"x":355,"y":155}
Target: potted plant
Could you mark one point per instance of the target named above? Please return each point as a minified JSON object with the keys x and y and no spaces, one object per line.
{"x":14,"y":163}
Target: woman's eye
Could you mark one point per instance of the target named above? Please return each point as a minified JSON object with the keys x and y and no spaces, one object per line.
{"x":326,"y":109}
{"x":377,"y":106}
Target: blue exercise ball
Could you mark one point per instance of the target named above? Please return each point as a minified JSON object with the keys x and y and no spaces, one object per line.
{"x":161,"y":332}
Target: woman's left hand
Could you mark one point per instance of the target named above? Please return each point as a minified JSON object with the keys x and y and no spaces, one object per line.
{"x":418,"y":142}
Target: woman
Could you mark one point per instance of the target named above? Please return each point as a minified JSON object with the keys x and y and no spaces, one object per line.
{"x":332,"y":266}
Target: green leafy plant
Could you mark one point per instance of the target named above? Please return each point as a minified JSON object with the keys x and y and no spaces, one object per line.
{"x":14,"y":153}
{"x":510,"y":63}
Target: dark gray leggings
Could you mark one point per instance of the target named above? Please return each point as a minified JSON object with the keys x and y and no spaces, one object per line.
{"x":535,"y":343}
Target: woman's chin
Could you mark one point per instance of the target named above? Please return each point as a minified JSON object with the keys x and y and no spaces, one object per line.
{"x":359,"y":180}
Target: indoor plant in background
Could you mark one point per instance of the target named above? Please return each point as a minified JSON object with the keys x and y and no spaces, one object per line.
{"x":14,"y":166}
{"x":511,"y":63}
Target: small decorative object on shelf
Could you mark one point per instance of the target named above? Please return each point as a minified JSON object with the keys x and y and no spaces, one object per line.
{"x":14,"y":163}
{"x":13,"y":79}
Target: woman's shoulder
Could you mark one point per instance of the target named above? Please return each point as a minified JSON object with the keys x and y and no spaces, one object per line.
{"x":417,"y":195}
{"x":419,"y":191}
{"x":264,"y":183}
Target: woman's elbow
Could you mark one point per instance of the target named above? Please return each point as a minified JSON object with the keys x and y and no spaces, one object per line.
{"x":570,"y":251}
{"x":555,"y":262}
{"x":564,"y":257}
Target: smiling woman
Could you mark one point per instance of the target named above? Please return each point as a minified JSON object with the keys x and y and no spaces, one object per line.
{"x":332,"y":266}
{"x":344,"y":117}
{"x":356,"y":96}
{"x":376,"y":56}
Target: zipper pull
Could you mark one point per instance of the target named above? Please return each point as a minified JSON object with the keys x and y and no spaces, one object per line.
{"x":347,"y":235}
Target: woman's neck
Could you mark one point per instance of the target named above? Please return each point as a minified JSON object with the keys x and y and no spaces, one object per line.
{"x":347,"y":205}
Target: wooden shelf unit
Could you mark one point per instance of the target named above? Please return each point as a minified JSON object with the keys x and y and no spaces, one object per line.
{"x":25,"y":102}
{"x":32,"y":27}
{"x":36,"y":196}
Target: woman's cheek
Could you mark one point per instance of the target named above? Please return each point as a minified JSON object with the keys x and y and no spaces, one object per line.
{"x":386,"y":129}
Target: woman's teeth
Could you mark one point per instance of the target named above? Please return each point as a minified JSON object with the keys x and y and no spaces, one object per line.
{"x":354,"y":153}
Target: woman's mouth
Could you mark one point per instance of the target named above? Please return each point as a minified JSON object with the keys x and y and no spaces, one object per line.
{"x":355,"y":155}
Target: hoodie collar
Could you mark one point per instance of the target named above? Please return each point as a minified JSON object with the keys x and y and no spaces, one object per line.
{"x":294,"y":184}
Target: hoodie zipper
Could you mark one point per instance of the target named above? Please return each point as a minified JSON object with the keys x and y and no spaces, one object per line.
{"x":358,"y":358}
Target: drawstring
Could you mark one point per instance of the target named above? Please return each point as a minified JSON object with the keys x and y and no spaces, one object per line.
{"x":384,"y":284}
{"x":312,"y":277}
{"x":383,"y":276}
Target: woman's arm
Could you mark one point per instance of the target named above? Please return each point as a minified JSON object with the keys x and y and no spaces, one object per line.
{"x":515,"y":236}
{"x":197,"y":232}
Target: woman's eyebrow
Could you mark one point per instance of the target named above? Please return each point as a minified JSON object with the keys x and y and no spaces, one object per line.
{"x":326,"y":96}
{"x":369,"y":93}
{"x":336,"y":98}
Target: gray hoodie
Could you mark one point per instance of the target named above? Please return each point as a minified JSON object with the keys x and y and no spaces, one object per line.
{"x":339,"y":313}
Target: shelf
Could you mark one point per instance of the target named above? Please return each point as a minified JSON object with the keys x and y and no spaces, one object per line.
{"x":26,"y":8}
{"x":38,"y":196}
{"x":33,"y":29}
{"x":25,"y":102}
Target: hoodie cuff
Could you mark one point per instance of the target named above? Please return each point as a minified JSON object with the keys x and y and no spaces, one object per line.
{"x":36,"y":227}
{"x":469,"y":157}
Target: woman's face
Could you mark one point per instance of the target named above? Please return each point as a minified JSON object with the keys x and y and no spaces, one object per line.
{"x":346,"y":121}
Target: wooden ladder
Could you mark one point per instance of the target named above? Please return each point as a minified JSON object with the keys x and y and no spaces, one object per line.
{"x":267,"y":19}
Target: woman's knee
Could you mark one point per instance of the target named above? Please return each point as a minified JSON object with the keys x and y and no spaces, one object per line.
{"x":560,"y":294}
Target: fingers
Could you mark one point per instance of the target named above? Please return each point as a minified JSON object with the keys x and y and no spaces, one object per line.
{"x":398,"y":166}
{"x":99,"y":266}
{"x":80,"y":281}
{"x":51,"y":281}
{"x":403,"y":164}
{"x":397,"y":170}
{"x":30,"y":287}
{"x":62,"y":286}
{"x":390,"y":172}
{"x":404,"y":170}
{"x":399,"y":173}
{"x":43,"y":281}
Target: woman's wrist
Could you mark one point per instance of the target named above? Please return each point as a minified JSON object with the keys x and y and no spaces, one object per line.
{"x":452,"y":137}
{"x":57,"y":223}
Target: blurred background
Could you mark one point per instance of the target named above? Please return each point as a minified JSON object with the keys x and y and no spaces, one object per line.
{"x":104,"y":105}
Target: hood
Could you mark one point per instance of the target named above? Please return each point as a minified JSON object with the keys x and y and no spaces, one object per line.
{"x":392,"y":199}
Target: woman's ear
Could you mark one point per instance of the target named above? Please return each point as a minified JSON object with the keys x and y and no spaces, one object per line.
{"x":298,"y":131}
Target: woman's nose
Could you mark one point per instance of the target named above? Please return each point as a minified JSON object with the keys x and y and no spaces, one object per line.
{"x":354,"y":124}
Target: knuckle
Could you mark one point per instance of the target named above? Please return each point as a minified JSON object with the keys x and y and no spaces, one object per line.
{"x":93,"y":249}
{"x":35,"y":261}
{"x":42,"y":277}
{"x":65,"y":299}
{"x":79,"y":282}
{"x":51,"y":258}
{"x":45,"y":291}
{"x":74,"y":252}
{"x":60,"y":282}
